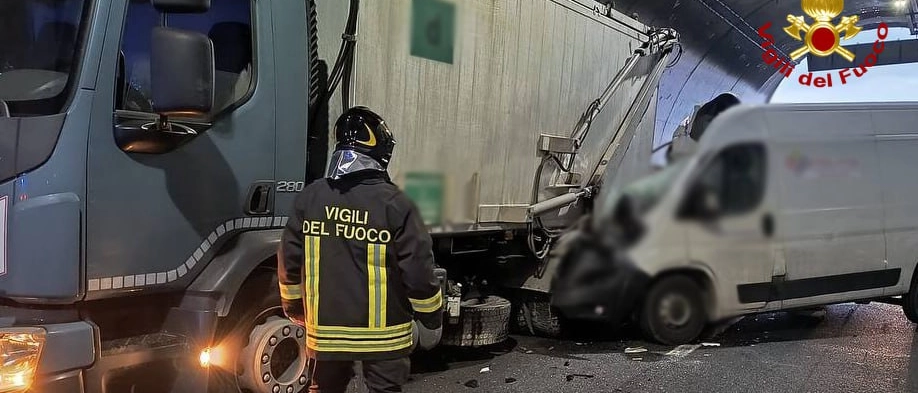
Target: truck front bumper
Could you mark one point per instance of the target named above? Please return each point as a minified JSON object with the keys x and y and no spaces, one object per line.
{"x":65,"y":349}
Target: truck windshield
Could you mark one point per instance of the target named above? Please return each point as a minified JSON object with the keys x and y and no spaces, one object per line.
{"x":38,"y":46}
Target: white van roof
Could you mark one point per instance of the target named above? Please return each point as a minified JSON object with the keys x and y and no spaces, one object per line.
{"x":810,"y":121}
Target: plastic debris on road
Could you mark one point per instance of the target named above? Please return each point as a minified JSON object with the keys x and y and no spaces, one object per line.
{"x":635,"y":350}
{"x":637,"y":359}
{"x":710,"y":344}
{"x":570,"y":377}
{"x":485,"y":370}
{"x":509,"y":380}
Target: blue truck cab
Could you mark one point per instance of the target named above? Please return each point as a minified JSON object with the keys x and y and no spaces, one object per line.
{"x":149,"y":154}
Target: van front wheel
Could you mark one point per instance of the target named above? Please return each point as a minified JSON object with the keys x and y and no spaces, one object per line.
{"x":673,"y":311}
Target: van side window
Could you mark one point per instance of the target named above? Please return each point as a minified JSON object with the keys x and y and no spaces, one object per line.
{"x":228,"y":23}
{"x":738,"y":177}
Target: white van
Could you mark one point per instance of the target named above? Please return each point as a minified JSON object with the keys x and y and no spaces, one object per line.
{"x":781,"y":206}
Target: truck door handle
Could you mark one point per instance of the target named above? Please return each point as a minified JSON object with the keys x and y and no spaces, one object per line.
{"x":261,"y":198}
{"x":768,"y":225}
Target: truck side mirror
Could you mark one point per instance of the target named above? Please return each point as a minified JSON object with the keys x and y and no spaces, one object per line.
{"x":181,"y":73}
{"x":182,"y":90}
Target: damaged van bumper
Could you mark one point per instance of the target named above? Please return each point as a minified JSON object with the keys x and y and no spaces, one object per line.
{"x":597,"y":283}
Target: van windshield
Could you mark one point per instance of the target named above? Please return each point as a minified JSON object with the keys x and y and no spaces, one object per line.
{"x":645,"y":193}
{"x":38,"y":46}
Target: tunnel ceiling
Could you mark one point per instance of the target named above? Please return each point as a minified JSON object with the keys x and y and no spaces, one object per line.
{"x":726,"y":29}
{"x":723,"y":51}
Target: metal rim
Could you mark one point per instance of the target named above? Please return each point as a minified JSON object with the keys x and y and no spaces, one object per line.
{"x":675,"y":310}
{"x":265,"y":369}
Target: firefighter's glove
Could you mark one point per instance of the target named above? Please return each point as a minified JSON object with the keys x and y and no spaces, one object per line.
{"x":295,"y":311}
{"x":424,"y":337}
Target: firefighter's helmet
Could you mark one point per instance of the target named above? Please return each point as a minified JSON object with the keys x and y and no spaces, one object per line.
{"x":364,"y":131}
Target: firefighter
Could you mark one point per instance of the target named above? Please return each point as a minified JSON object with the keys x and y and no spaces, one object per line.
{"x":356,"y":267}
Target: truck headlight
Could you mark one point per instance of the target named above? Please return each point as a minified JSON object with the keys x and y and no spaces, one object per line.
{"x":20,"y":349}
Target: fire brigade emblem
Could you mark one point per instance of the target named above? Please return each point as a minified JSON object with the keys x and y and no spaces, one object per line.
{"x":822,"y":38}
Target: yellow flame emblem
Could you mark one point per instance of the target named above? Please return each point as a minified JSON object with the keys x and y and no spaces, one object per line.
{"x":822,"y":38}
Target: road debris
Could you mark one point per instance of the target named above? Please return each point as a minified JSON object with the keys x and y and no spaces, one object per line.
{"x":529,"y":351}
{"x":567,"y":363}
{"x":509,"y":380}
{"x":710,"y":344}
{"x":635,"y":350}
{"x":485,"y":370}
{"x":570,"y":377}
{"x":637,"y":359}
{"x":473,"y":383}
{"x":683,"y":350}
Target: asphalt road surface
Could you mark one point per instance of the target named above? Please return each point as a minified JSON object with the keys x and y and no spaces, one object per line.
{"x":850,"y":348}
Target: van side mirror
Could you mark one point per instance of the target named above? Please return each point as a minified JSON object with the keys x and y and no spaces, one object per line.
{"x":181,"y":73}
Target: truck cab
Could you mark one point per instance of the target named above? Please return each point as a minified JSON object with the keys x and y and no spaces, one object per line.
{"x":149,"y":152}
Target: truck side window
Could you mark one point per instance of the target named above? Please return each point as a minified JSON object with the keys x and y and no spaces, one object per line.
{"x":228,"y":23}
{"x":737,"y":176}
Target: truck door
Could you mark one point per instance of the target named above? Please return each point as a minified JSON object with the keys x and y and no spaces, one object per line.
{"x":732,"y":224}
{"x":155,"y":219}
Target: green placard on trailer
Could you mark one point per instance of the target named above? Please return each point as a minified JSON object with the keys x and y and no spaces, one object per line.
{"x":433,"y":30}
{"x":426,"y":191}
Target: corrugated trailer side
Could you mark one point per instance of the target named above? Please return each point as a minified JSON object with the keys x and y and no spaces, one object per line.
{"x":518,"y":69}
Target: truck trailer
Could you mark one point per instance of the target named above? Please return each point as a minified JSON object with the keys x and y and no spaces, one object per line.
{"x":151,"y":151}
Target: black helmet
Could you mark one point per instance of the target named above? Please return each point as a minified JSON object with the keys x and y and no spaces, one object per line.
{"x":363,"y":131}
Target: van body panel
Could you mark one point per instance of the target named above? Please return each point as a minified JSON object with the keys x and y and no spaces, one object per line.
{"x":897,"y":144}
{"x":831,"y":204}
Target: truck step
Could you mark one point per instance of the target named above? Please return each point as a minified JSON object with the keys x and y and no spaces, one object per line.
{"x":142,"y":342}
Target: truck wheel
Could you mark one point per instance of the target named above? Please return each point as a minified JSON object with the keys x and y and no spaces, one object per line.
{"x":256,"y":328}
{"x":673,"y":311}
{"x":545,"y":320}
{"x":482,"y":321}
{"x":910,"y":301}
{"x":275,"y":359}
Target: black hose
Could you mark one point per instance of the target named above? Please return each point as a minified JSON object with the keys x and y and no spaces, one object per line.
{"x":344,"y":61}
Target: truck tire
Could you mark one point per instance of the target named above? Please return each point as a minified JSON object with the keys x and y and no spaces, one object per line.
{"x":673,"y":311}
{"x":244,"y":337}
{"x":545,"y":320}
{"x":482,"y":321}
{"x":910,"y":301}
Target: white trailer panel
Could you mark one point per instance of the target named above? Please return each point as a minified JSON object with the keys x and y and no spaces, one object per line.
{"x":520,"y":68}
